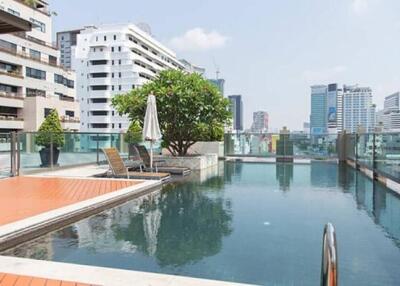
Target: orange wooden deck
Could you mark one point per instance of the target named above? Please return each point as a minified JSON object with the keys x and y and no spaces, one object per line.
{"x":7,"y":279}
{"x":23,"y":197}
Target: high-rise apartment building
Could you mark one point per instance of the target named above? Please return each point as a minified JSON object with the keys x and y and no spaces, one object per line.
{"x":192,"y":68}
{"x":358,"y":109}
{"x":389,"y":117}
{"x":65,"y":42}
{"x":31,"y":80}
{"x":260,"y":122}
{"x":219,"y":83}
{"x":110,"y":60}
{"x":318,"y":117}
{"x":236,"y":108}
{"x":335,"y":109}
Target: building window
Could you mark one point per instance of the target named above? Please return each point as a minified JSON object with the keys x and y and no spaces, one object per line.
{"x":98,"y":62}
{"x":112,"y":75}
{"x":119,"y":125}
{"x":99,"y":125}
{"x":120,"y":87}
{"x":99,"y":87}
{"x":99,"y":113}
{"x":112,"y":49}
{"x":115,"y":37}
{"x":113,"y":125}
{"x":34,"y":54}
{"x":119,"y":62}
{"x":112,"y":62}
{"x":37,"y":25}
{"x":47,"y":112}
{"x":119,"y":49}
{"x":11,"y":11}
{"x":99,"y":75}
{"x":113,"y":112}
{"x":119,"y":74}
{"x":99,"y":100}
{"x":112,"y":87}
{"x":133,"y":86}
{"x":105,"y":38}
{"x":70,"y":113}
{"x":30,"y":92}
{"x":34,"y":73}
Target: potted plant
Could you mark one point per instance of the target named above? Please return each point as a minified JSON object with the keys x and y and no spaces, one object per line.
{"x":133,"y":136}
{"x":50,"y":135}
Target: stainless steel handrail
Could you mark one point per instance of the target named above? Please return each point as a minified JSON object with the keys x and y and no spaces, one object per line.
{"x":329,"y":265}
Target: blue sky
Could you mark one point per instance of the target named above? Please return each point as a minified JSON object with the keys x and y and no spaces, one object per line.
{"x":269,"y":51}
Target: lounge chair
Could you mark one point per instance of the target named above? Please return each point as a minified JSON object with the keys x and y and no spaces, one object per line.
{"x":119,"y":169}
{"x":159,"y":163}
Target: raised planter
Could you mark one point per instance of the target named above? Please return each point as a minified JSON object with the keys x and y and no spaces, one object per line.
{"x":198,"y":162}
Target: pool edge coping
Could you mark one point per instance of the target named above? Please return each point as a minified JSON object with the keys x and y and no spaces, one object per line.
{"x":100,"y":275}
{"x":20,"y":231}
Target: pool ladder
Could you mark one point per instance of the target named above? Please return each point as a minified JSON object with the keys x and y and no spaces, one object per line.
{"x":329,"y":265}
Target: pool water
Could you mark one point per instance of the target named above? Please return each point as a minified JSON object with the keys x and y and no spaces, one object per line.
{"x":243,"y":222}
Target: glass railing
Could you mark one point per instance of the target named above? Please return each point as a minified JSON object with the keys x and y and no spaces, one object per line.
{"x":76,"y":148}
{"x":297,"y":145}
{"x":5,"y":155}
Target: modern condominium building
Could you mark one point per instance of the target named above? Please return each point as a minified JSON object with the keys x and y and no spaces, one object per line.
{"x":236,"y":108}
{"x":318,"y":117}
{"x":358,"y":109}
{"x":31,"y":80}
{"x":110,"y":60}
{"x":220,"y":84}
{"x":65,"y":42}
{"x":260,"y":122}
{"x":389,"y":117}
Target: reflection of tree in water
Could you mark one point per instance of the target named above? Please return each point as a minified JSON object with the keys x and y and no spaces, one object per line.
{"x":191,"y":224}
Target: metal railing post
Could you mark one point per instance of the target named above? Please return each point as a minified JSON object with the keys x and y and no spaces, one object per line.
{"x":356,"y":150}
{"x":329,"y":264}
{"x":97,"y":149}
{"x":12,"y":155}
{"x":51,"y":151}
{"x":374,"y":173}
{"x":18,"y":159}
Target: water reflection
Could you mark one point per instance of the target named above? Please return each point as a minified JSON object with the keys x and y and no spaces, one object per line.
{"x":284,"y":175}
{"x":188,"y":228}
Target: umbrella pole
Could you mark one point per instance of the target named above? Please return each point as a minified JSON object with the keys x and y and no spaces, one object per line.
{"x":151,"y":155}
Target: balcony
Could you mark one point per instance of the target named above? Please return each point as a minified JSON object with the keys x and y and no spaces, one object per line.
{"x":11,"y":121}
{"x":67,"y":98}
{"x":11,"y":99}
{"x":29,"y":57}
{"x":70,"y":123}
{"x":13,"y":73}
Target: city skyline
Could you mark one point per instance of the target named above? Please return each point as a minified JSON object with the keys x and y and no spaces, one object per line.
{"x":313,"y":42}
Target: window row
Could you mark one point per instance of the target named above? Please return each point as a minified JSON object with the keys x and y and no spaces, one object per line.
{"x":63,"y":80}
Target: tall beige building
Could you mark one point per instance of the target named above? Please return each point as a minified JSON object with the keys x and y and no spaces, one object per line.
{"x":32,"y":81}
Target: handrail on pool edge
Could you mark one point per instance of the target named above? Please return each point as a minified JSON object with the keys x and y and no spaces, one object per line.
{"x":329,"y":265}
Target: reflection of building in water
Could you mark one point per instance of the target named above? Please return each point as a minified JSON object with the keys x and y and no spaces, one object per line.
{"x":346,"y":176}
{"x":381,"y":204}
{"x":41,"y":249}
{"x":324,"y":174}
{"x":284,"y":175}
{"x":97,"y":232}
{"x":232,"y":169}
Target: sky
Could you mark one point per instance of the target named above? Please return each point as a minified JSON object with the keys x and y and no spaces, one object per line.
{"x":269,"y":51}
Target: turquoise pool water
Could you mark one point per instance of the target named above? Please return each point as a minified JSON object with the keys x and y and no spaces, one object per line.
{"x":245,"y":222}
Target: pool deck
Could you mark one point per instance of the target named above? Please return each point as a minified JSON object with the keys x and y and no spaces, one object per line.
{"x":33,"y":205}
{"x":90,"y":275}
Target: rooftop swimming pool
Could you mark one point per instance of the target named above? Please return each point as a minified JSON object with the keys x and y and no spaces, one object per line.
{"x":243,"y":222}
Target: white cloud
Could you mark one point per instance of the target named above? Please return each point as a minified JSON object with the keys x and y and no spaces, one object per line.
{"x":360,"y":6}
{"x":324,"y":75}
{"x":198,"y":39}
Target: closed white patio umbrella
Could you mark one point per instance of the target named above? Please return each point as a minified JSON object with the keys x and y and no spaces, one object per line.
{"x":151,"y":128}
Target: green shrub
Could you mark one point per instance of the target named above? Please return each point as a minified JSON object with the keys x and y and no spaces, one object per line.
{"x":134,"y":133}
{"x":51,"y":130}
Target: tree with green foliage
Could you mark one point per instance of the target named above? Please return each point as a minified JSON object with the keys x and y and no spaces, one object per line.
{"x":50,"y":131}
{"x":190,"y":109}
{"x":134,"y":133}
{"x":30,"y":2}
